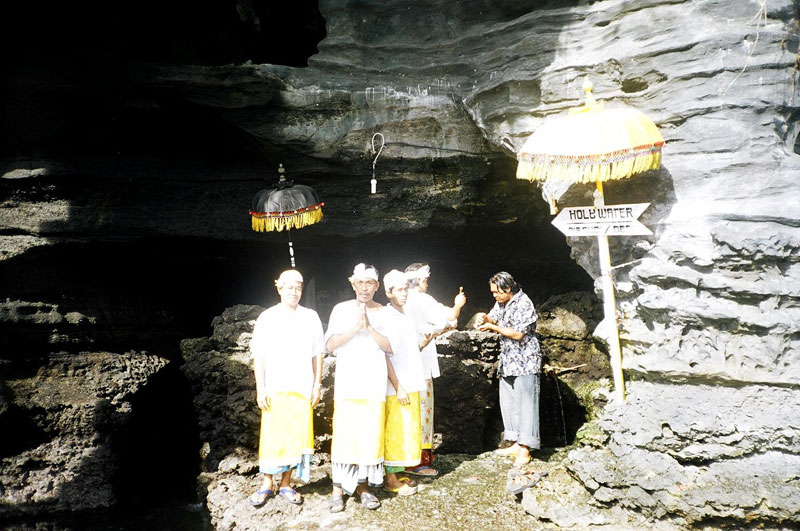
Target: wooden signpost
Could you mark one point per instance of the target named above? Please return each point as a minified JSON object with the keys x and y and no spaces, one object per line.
{"x":602,"y":221}
{"x":610,"y":220}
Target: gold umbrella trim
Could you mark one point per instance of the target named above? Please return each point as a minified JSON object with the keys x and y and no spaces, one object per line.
{"x":590,"y":168}
{"x":293,"y":219}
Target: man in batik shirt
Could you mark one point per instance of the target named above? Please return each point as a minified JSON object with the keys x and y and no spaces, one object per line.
{"x":514,"y":318}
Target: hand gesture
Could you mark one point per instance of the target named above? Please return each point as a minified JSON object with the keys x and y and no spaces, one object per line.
{"x":461,"y":298}
{"x":263,"y":401}
{"x":363,"y":321}
{"x":402,"y":396}
{"x":480,"y":320}
{"x":315,"y":395}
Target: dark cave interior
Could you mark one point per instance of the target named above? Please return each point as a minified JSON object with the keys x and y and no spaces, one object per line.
{"x":68,"y":102}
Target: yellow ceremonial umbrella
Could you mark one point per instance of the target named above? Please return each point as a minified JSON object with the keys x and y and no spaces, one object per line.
{"x":593,"y":144}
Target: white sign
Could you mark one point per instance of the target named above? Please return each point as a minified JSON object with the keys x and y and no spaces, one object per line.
{"x":609,"y":220}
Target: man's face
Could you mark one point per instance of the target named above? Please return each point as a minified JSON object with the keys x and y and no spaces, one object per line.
{"x":500,"y":296}
{"x":422,"y":285}
{"x":365,"y":289}
{"x":398,"y":296}
{"x":290,"y":293}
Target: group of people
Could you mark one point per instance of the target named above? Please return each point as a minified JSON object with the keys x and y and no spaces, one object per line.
{"x":386,"y":361}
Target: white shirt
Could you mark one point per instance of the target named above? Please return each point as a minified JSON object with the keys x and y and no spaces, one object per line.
{"x":406,"y":358}
{"x":287,"y":341}
{"x":428,"y":316}
{"x":360,"y":363}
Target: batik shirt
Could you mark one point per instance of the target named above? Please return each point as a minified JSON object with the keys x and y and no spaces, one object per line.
{"x":523,"y":356}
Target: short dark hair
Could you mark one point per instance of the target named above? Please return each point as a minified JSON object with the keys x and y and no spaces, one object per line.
{"x":504,"y":281}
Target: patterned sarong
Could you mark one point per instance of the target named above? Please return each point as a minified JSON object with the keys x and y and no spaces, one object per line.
{"x":287,"y":433}
{"x":426,"y":415}
{"x":403,"y":432}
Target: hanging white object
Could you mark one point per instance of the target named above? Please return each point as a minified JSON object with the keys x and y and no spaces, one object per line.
{"x":373,"y":183}
{"x":552,"y":190}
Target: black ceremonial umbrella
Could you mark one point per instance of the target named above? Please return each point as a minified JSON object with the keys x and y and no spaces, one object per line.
{"x":285,"y":205}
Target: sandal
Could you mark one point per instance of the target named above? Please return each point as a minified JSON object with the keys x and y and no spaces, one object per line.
{"x":408,"y":481}
{"x":260,"y":498}
{"x":520,"y":482}
{"x":290,"y":495}
{"x":422,"y":470}
{"x":369,"y":500}
{"x":336,"y":504}
{"x":403,"y":490}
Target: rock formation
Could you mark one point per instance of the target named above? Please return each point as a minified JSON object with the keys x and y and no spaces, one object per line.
{"x":708,"y":305}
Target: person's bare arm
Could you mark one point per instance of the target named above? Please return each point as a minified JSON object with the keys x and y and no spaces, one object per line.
{"x":315,"y":391}
{"x":458,"y":303}
{"x":379,"y":338}
{"x":402,"y":396}
{"x":262,"y":399}
{"x":491,"y":325}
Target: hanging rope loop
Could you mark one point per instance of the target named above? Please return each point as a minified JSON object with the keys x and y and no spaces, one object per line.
{"x":374,"y":181}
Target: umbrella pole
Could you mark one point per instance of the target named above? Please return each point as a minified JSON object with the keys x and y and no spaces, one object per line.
{"x":609,"y":303}
{"x":291,"y":247}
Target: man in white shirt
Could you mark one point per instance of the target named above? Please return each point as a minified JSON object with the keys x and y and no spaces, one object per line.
{"x":287,"y":347}
{"x":430,"y":318}
{"x":403,"y":441}
{"x":356,"y":333}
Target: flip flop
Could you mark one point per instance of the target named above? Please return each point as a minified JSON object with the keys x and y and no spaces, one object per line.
{"x":289,"y":494}
{"x":369,"y":500}
{"x":422,"y":470}
{"x":336,"y":504}
{"x":260,"y":498}
{"x":408,"y":481}
{"x":403,"y":490}
{"x":519,"y":483}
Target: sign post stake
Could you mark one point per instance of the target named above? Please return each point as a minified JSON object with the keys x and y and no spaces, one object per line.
{"x":609,"y":303}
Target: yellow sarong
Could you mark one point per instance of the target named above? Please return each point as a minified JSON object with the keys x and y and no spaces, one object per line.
{"x":403,"y":432}
{"x":358,"y":426}
{"x":287,"y":431}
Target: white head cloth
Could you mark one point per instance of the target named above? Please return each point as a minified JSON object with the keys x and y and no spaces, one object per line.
{"x":419,"y":274}
{"x":290,"y":275}
{"x":362,"y":272}
{"x":394,"y":279}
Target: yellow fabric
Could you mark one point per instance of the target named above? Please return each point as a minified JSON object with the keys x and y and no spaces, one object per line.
{"x":264,"y":223}
{"x":592,"y":145}
{"x":358,"y":430}
{"x":287,"y":431}
{"x":403,"y":443}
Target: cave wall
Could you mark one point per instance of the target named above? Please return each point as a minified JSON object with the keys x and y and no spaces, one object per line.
{"x":708,"y":304}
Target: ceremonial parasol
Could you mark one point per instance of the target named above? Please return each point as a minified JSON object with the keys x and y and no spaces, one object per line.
{"x":593,"y":144}
{"x":285,"y":205}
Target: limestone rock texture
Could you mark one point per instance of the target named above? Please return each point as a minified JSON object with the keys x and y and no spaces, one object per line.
{"x":708,"y":306}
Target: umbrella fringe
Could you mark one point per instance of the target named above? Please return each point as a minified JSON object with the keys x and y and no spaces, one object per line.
{"x":576,"y":172}
{"x":264,"y":223}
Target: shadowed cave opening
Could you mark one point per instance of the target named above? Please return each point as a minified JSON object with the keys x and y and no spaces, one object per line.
{"x":145,"y":291}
